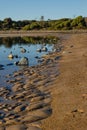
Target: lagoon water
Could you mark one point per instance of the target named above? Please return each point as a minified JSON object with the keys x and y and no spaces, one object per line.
{"x":14,"y":45}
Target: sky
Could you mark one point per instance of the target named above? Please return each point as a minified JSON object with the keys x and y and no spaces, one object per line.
{"x":34,"y":9}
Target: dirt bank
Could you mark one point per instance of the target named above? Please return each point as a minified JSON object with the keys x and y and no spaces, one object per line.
{"x":69,"y":93}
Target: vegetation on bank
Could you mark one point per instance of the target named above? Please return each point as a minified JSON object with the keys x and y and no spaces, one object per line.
{"x":60,"y":24}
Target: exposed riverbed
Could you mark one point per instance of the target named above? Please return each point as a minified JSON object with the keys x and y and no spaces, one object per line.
{"x":18,"y":47}
{"x":28,"y":101}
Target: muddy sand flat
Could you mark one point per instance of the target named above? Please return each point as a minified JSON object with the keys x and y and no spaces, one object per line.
{"x":50,"y":96}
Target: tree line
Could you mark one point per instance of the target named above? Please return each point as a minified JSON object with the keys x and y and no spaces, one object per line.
{"x":60,"y":24}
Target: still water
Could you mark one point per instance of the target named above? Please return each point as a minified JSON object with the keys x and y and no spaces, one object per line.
{"x":14,"y":45}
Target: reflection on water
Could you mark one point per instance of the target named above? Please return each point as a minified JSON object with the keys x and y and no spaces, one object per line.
{"x":15,"y":45}
{"x":8,"y":42}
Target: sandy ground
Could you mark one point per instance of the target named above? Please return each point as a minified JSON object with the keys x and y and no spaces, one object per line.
{"x":69,"y":91}
{"x":51,"y":96}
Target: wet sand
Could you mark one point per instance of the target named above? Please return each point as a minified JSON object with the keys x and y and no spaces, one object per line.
{"x":23,"y":106}
{"x":50,"y":96}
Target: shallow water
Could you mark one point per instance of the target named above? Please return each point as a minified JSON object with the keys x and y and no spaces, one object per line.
{"x":14,"y":45}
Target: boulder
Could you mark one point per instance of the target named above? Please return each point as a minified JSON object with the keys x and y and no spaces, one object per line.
{"x":1,"y":67}
{"x":38,"y":50}
{"x":10,"y":56}
{"x":44,"y":49}
{"x":23,"y":50}
{"x":23,"y":61}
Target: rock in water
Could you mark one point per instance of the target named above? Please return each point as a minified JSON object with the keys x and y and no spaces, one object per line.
{"x":23,"y":61}
{"x":23,"y":50}
{"x":38,"y":50}
{"x":10,"y":56}
{"x":1,"y":67}
{"x":44,"y":49}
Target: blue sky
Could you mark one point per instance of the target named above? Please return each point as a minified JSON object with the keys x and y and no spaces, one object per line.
{"x":34,"y":9}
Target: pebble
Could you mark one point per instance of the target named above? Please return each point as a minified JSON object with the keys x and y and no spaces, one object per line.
{"x":78,"y":110}
{"x":84,"y":95}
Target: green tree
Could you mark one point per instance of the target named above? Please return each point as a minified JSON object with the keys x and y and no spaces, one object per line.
{"x":26,"y":27}
{"x":35,"y":25}
{"x":7,"y":23}
{"x":78,"y":21}
{"x":0,"y":25}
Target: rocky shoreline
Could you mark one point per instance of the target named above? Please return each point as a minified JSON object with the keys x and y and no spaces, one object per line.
{"x":28,"y":101}
{"x":56,"y":89}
